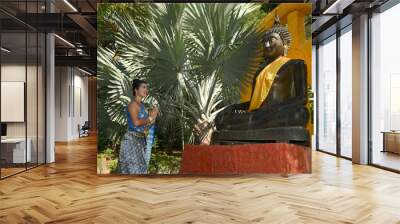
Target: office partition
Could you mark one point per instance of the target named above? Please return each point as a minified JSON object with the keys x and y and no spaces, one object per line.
{"x":22,"y":77}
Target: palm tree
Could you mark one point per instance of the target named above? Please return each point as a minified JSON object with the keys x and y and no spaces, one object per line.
{"x":106,"y":26}
{"x":193,"y":56}
{"x":202,"y":105}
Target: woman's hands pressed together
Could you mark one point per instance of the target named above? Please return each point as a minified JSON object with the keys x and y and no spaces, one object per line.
{"x":153,"y":114}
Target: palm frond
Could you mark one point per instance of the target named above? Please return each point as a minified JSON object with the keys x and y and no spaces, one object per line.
{"x":220,"y":40}
{"x":202,"y":104}
{"x":193,"y":56}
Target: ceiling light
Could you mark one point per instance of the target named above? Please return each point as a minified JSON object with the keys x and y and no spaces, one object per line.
{"x":64,"y":40}
{"x":70,"y":5}
{"x":5,"y":49}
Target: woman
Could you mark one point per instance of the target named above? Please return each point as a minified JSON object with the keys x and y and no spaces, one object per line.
{"x":133,"y":146}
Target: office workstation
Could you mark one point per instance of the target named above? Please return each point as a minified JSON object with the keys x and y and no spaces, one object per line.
{"x":15,"y":145}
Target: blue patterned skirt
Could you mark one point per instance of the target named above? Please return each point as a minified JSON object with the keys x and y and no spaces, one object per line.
{"x":132,"y":154}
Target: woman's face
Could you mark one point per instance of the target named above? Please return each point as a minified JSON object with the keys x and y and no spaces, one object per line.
{"x":142,"y":90}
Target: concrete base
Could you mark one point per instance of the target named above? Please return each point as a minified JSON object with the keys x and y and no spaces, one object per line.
{"x":246,"y":158}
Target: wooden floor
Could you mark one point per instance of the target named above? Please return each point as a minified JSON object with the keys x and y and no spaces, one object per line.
{"x":69,"y":191}
{"x":387,"y":159}
{"x":10,"y":171}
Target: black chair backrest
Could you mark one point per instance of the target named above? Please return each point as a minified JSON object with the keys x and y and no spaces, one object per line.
{"x":86,"y":125}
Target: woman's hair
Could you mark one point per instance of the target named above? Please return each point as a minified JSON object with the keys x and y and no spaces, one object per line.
{"x":136,"y":84}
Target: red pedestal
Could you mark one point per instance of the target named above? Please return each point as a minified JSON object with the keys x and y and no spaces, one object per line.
{"x":247,"y":158}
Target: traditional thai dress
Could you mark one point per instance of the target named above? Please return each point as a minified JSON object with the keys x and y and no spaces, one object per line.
{"x":149,"y":143}
{"x":133,"y":158}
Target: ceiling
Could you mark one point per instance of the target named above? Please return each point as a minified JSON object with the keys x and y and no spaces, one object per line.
{"x":73,"y":21}
{"x":330,"y":15}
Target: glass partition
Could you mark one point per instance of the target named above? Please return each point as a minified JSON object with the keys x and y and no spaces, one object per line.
{"x":22,"y":66}
{"x":13,"y":94}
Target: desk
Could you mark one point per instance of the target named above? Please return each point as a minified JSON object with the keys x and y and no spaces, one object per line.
{"x":391,"y":141}
{"x":13,"y":150}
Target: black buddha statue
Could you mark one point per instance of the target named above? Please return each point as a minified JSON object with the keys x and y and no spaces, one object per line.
{"x":276,"y":110}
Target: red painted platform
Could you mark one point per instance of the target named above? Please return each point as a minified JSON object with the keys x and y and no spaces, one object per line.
{"x":246,"y":158}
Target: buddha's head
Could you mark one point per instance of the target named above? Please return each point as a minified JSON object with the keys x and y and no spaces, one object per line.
{"x":276,"y":40}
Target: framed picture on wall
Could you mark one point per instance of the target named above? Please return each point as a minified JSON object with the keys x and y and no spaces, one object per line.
{"x":205,"y":88}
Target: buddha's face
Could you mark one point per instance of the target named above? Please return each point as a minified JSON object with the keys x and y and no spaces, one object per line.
{"x":273,"y":46}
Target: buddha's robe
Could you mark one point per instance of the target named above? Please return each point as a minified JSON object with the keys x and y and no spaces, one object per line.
{"x":262,"y":85}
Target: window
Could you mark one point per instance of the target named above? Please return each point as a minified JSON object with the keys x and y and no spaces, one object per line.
{"x":385,"y":88}
{"x":327,"y":95}
{"x":314,"y":89}
{"x":346,"y":92}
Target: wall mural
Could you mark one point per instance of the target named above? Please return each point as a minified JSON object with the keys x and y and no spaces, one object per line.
{"x":204,"y":88}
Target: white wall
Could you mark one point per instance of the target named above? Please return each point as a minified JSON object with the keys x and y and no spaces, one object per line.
{"x":11,"y":73}
{"x":33,"y":127}
{"x":70,"y":83}
{"x":80,"y":94}
{"x":61,"y":103}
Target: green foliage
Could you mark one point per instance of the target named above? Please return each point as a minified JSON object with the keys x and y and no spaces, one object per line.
{"x":268,"y":7}
{"x":180,"y":42}
{"x":106,"y":161}
{"x":108,"y":153}
{"x":113,"y":94}
{"x":106,"y":26}
{"x":307,"y":23}
{"x":310,"y":103}
{"x":202,"y":106}
{"x":100,"y":166}
{"x":194,"y":57}
{"x":257,"y":15}
{"x":162,"y":162}
{"x":113,"y":166}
